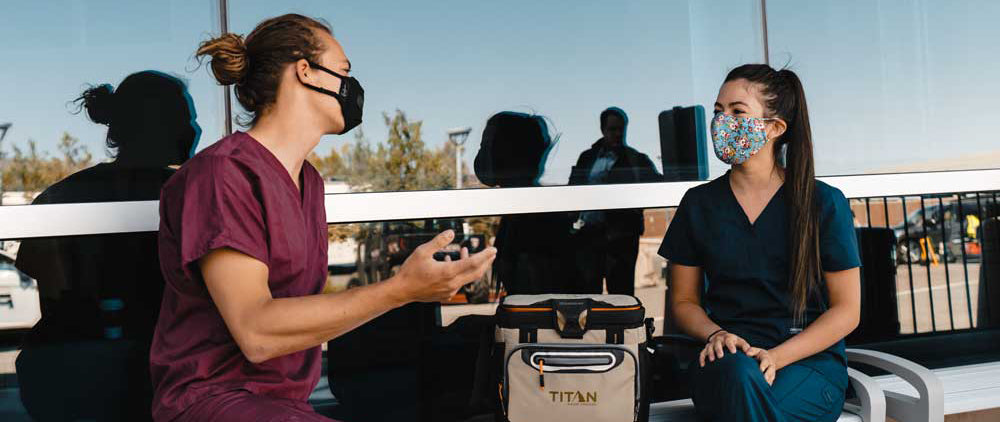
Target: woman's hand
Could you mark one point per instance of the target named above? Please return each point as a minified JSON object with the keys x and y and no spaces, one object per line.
{"x":767,"y":364}
{"x":718,"y":342}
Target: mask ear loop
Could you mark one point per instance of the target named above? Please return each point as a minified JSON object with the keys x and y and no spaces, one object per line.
{"x":781,"y":154}
{"x":343,"y":80}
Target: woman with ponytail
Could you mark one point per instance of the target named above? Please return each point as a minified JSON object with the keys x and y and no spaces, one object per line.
{"x":764,"y":262}
{"x":243,"y":240}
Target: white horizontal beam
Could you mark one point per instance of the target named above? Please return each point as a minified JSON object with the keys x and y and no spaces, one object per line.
{"x":906,"y":184}
{"x":355,"y":207}
{"x":24,"y":221}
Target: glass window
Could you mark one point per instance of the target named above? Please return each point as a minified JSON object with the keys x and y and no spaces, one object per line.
{"x":538,"y":253}
{"x":457,"y":64}
{"x":88,"y":305}
{"x":893,"y":86}
{"x":74,"y":310}
{"x":98,"y":296}
{"x":55,"y":51}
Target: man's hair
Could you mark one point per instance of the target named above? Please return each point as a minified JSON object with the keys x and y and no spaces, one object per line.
{"x":608,"y":112}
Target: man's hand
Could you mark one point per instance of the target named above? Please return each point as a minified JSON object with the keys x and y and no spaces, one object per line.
{"x":423,"y":279}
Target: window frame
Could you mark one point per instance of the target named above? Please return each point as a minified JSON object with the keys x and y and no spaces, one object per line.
{"x":31,"y":221}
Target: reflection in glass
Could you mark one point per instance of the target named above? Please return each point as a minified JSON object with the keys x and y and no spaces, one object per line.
{"x":898,"y":86}
{"x":534,"y":253}
{"x":607,"y":242}
{"x":100,"y":295}
{"x":460,"y":70}
{"x":52,"y":49}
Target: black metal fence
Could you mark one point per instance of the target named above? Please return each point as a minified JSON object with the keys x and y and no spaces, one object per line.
{"x":940,"y":244}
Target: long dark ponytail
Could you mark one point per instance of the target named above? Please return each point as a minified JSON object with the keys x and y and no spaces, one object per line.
{"x":784,"y":98}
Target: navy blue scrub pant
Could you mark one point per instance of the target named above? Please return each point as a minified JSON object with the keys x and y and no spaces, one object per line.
{"x":733,"y":389}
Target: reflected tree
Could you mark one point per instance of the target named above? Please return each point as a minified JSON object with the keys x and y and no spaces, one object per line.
{"x":31,"y":171}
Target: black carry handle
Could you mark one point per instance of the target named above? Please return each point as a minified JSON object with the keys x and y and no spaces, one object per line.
{"x":571,"y":317}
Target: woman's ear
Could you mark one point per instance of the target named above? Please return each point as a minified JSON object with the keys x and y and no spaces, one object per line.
{"x":776,"y":128}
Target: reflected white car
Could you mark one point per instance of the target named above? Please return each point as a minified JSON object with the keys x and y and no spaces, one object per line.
{"x":9,"y":274}
{"x":19,"y":307}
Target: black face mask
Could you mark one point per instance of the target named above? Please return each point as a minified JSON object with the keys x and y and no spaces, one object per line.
{"x":351,"y":97}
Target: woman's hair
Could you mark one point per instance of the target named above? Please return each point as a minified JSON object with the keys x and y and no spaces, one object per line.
{"x":255,"y":64}
{"x":783,"y":97}
{"x":147,"y":111}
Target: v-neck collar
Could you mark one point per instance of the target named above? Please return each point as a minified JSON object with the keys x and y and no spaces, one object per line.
{"x":736,"y":202}
{"x":300,"y":190}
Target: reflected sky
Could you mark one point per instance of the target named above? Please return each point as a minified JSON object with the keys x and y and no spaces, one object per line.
{"x":887,"y":85}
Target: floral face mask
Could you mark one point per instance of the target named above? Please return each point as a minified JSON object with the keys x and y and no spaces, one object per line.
{"x":736,"y":139}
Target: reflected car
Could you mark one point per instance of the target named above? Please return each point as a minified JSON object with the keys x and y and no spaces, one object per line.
{"x":945,"y":230}
{"x":10,"y":276}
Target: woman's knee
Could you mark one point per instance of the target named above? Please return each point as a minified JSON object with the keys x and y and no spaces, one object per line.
{"x":731,"y":371}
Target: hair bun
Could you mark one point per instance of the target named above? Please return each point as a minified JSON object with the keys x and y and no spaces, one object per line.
{"x":228,"y":55}
{"x":99,"y":102}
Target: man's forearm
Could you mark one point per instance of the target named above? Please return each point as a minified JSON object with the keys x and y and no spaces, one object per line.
{"x":287,"y":325}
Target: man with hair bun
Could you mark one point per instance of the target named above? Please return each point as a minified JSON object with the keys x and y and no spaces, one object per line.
{"x":243,"y":239}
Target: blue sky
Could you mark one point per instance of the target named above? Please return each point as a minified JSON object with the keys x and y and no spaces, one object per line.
{"x":887,"y":85}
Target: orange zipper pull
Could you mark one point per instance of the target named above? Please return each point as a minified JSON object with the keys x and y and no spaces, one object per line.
{"x":541,"y":374}
{"x":502,"y":407}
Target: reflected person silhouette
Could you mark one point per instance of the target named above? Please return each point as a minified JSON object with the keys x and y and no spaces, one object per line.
{"x":607,"y":242}
{"x":100,"y":295}
{"x":533,"y":253}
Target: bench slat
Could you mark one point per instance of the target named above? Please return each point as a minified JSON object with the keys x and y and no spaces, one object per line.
{"x":683,"y":410}
{"x":966,"y":388}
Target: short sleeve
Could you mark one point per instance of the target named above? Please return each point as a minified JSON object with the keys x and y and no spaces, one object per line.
{"x":219,"y":210}
{"x":678,"y":244}
{"x":838,"y":243}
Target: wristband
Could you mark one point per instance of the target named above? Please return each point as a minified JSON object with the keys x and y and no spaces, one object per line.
{"x":709,"y":338}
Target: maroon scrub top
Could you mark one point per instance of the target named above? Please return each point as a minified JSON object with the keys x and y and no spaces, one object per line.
{"x":234,"y":194}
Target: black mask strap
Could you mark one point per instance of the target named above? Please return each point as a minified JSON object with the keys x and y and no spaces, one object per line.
{"x":343,"y":80}
{"x":351,"y":97}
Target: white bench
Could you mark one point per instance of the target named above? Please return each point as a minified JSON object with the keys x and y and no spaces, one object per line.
{"x":683,"y":410}
{"x":952,"y":390}
{"x":870,"y":406}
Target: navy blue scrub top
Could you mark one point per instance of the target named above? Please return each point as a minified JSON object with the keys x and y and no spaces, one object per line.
{"x":746,"y":265}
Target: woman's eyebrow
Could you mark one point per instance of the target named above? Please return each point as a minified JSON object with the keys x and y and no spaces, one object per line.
{"x":735,"y":103}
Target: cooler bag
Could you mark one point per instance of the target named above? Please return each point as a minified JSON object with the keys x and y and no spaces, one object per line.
{"x":573,"y":358}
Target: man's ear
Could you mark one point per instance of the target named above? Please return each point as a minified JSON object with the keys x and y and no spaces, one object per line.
{"x":304,"y":72}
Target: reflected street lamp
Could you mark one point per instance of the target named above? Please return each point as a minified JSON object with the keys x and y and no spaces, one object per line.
{"x":3,"y":134}
{"x":457,"y":136}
